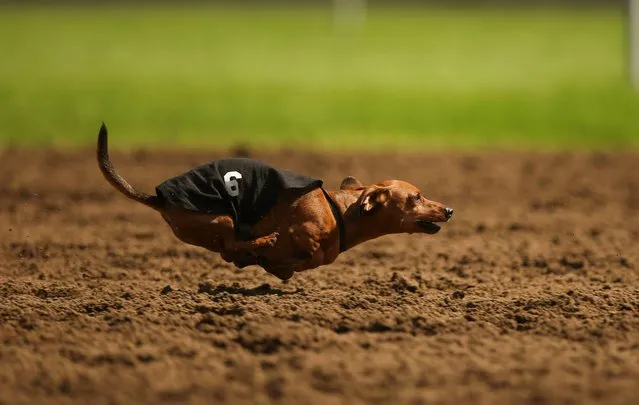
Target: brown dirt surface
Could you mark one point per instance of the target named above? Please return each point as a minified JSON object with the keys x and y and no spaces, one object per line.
{"x":529,"y":296}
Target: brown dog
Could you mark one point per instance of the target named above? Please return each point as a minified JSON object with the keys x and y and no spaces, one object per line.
{"x":301,"y":228}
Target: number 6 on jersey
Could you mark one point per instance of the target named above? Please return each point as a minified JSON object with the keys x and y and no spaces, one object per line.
{"x":230,"y":182}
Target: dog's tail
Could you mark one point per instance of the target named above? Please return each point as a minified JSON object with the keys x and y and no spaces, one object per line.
{"x":115,"y":179}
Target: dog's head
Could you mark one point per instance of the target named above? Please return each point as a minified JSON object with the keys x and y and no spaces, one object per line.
{"x":398,"y":207}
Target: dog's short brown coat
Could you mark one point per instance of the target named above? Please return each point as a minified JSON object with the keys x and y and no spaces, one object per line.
{"x":300,"y":232}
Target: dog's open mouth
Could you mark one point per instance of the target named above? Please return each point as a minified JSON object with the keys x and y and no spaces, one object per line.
{"x":428,"y":227}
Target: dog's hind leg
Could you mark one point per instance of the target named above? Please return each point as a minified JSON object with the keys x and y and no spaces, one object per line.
{"x":232,"y":244}
{"x":215,"y":233}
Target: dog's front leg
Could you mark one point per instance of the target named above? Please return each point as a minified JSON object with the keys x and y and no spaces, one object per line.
{"x":285,"y":270}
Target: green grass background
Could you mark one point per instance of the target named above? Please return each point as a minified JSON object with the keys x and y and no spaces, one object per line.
{"x":409,"y":78}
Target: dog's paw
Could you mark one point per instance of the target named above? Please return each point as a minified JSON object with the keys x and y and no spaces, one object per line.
{"x":269,"y":241}
{"x":282,"y":272}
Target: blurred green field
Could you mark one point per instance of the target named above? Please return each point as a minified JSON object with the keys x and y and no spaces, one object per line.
{"x":409,"y":78}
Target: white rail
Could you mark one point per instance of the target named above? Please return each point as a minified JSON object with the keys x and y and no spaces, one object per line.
{"x":633,"y":43}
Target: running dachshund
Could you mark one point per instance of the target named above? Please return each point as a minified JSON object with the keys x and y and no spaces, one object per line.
{"x":254,"y":214}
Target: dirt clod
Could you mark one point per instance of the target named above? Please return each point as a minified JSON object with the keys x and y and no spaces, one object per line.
{"x":167,"y":289}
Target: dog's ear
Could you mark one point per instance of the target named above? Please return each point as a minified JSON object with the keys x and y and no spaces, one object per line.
{"x":373,"y":199}
{"x":350,"y":183}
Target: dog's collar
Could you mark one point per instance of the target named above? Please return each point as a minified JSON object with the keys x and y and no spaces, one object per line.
{"x":340,"y":221}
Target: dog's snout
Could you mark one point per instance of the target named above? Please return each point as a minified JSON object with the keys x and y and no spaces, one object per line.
{"x":449,"y":212}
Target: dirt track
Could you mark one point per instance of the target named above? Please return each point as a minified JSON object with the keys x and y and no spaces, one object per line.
{"x":531,"y":295}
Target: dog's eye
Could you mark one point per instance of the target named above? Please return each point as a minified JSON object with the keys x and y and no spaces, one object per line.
{"x":416,"y":197}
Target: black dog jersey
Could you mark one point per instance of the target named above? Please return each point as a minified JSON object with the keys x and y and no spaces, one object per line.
{"x":245,"y":189}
